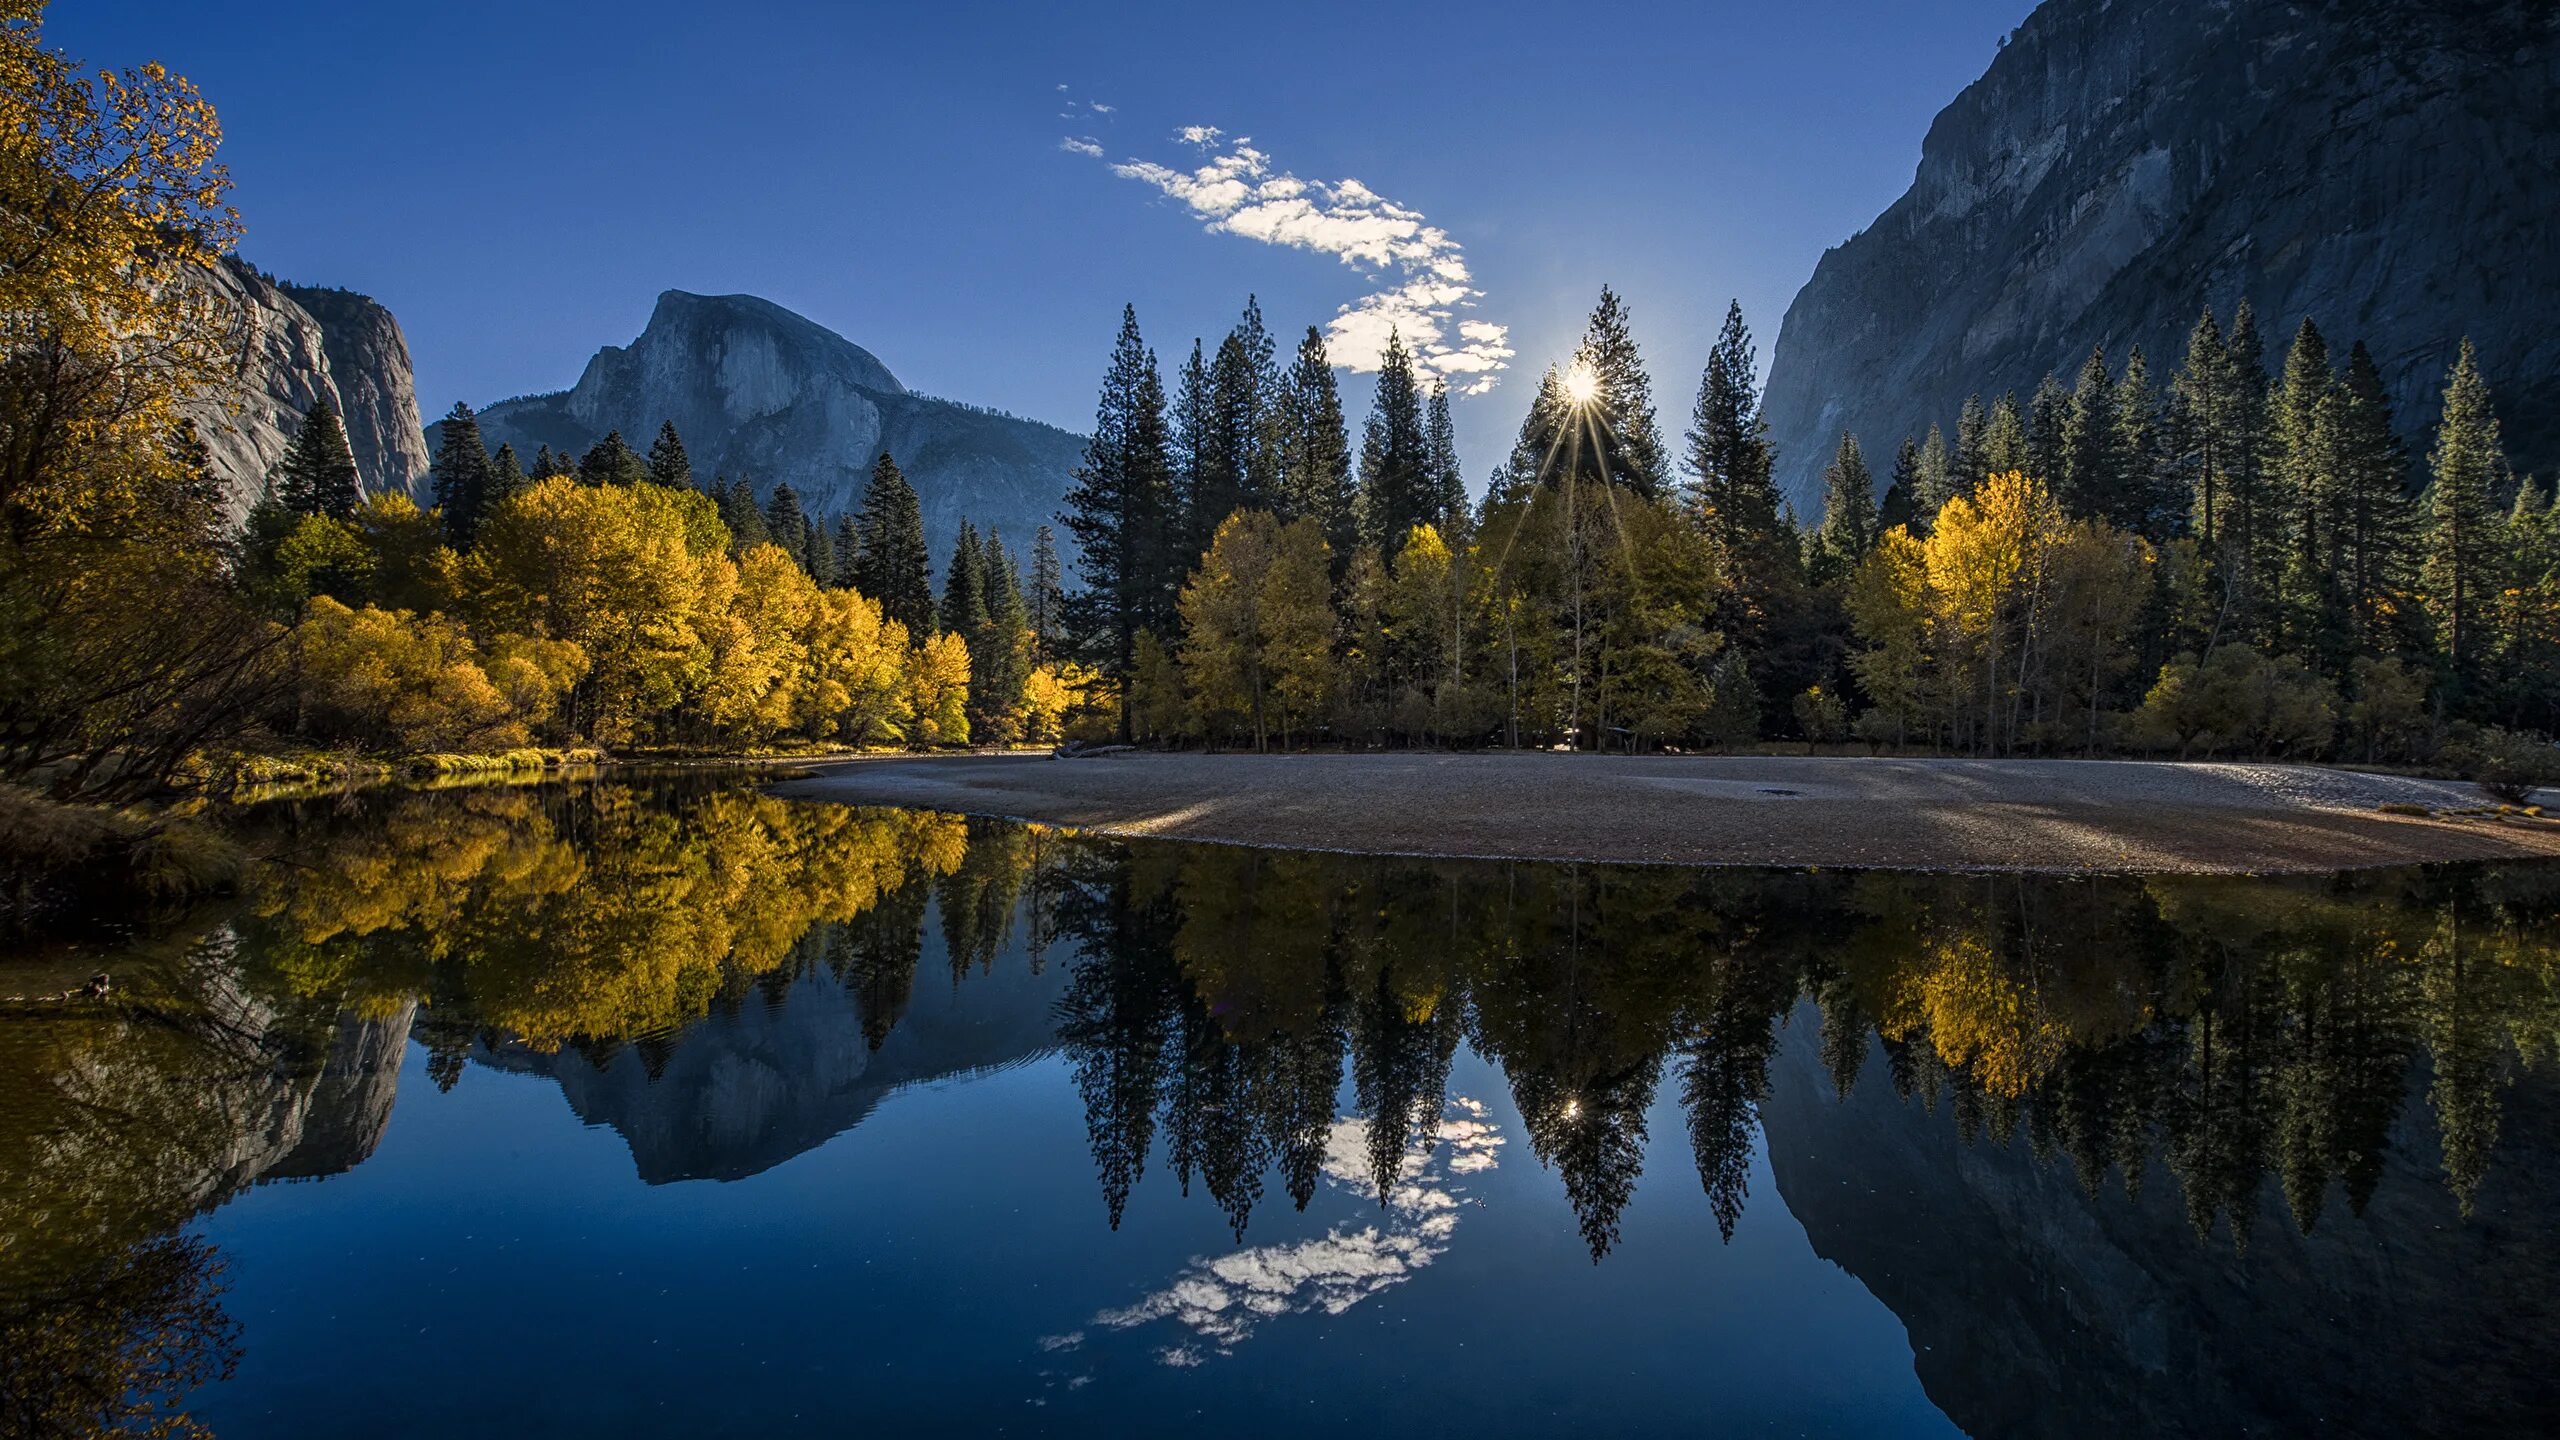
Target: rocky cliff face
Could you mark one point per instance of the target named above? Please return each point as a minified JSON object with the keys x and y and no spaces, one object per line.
{"x":296,"y":344}
{"x":765,"y":395}
{"x":2390,"y":170}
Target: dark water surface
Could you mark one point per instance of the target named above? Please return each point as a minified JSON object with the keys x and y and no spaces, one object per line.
{"x":630,"y":1110}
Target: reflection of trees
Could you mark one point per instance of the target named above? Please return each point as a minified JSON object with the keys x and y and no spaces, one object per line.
{"x":117,"y":1348}
{"x":2236,"y":1033}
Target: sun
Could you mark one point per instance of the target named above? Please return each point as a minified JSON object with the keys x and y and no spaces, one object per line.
{"x":1581,"y":385}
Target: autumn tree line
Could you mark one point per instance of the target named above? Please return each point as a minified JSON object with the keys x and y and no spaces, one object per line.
{"x":612,"y":598}
{"x":2223,"y":560}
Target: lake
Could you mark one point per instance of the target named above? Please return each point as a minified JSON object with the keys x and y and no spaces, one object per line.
{"x":645,"y":1107}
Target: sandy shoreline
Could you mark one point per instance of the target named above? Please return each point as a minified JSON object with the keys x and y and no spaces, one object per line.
{"x":2024,"y":815}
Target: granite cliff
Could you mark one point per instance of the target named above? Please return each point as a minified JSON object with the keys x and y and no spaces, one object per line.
{"x":2386,"y":169}
{"x":765,"y":395}
{"x":293,"y":345}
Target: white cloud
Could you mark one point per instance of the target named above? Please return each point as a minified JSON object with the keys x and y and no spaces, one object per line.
{"x":1222,"y":1299}
{"x":1081,"y":145}
{"x":1421,"y":270}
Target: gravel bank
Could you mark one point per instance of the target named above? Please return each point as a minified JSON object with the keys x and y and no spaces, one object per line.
{"x":2040,"y":815}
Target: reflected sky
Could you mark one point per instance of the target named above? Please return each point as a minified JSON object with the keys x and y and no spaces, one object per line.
{"x":627,"y":1109}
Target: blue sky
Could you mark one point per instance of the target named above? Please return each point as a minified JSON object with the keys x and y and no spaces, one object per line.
{"x":519,"y":181}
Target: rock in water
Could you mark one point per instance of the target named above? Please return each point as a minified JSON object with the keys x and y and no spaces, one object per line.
{"x":295,"y":344}
{"x":762,"y":394}
{"x":2390,"y":170}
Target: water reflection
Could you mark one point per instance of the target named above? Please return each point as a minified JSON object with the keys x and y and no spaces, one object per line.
{"x":1970,"y":1086}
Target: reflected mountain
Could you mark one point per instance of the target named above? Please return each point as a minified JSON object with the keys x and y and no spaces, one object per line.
{"x":2039,"y":1308}
{"x":2176,"y":1155}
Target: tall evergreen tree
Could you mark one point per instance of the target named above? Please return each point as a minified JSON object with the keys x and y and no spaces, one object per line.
{"x":612,"y":461}
{"x":1121,"y":511}
{"x":547,"y":464}
{"x":1227,"y":451}
{"x":1972,"y":453}
{"x":739,"y":511}
{"x":848,"y":552}
{"x":2092,"y":482}
{"x":1044,"y":594}
{"x":1899,"y":506}
{"x":2004,"y":441}
{"x":1940,"y":475}
{"x":2301,"y":441}
{"x":1315,"y":452}
{"x":964,"y":586}
{"x":668,"y":464}
{"x":2149,"y":502}
{"x":318,"y":474}
{"x":461,"y":476}
{"x":1194,"y":421}
{"x":2253,"y":546}
{"x":1629,"y":439}
{"x":1848,"y":527}
{"x":2464,"y":542}
{"x":895,"y":568}
{"x":1396,"y":492}
{"x":506,"y":479}
{"x":1448,"y":477}
{"x":1732,"y":466}
{"x":2046,"y":413}
{"x":787,"y":525}
{"x":2374,"y":526}
{"x":999,"y":661}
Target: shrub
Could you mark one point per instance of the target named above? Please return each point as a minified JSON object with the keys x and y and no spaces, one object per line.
{"x":2510,"y":765}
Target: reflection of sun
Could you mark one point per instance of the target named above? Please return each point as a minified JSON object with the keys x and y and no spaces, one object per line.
{"x":1581,"y":384}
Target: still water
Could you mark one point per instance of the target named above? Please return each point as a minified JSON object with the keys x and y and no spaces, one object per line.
{"x":632,"y":1109}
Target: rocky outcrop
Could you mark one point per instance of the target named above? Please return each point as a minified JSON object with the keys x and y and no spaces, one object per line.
{"x":293,"y":345}
{"x":765,"y":395}
{"x":2387,"y":169}
{"x":2039,"y":1309}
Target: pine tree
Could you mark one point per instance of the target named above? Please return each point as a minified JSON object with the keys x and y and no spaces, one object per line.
{"x":1043,"y":594}
{"x":461,"y":476}
{"x":2046,"y":413}
{"x":1263,"y":457}
{"x":2004,"y":442}
{"x":2302,"y":440}
{"x":1315,"y":452}
{"x":1226,"y":452}
{"x":1900,"y":493}
{"x":611,"y":461}
{"x":1396,"y":492}
{"x":547,"y":465}
{"x":1121,"y":511}
{"x":2149,"y":502}
{"x":668,"y":464}
{"x":2252,"y":545}
{"x":1000,"y":662}
{"x":2092,"y":482}
{"x":1629,"y":438}
{"x":318,"y":474}
{"x":1972,"y":458}
{"x":847,"y":546}
{"x":2373,"y":525}
{"x":895,"y":568}
{"x":506,"y":480}
{"x":964,"y":586}
{"x":739,"y":511}
{"x":1448,"y":477}
{"x":1732,"y":467}
{"x":1941,"y":475}
{"x":787,"y":525}
{"x":2463,"y":540}
{"x":1194,"y":421}
{"x":1848,"y":528}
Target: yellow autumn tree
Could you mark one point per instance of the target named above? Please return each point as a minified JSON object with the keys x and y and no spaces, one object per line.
{"x":938,"y":686}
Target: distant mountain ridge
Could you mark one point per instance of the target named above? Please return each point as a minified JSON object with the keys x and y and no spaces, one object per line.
{"x":2390,"y":170}
{"x":763,"y":394}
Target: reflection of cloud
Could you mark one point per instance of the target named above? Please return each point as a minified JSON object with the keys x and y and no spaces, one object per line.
{"x":1222,"y":1299}
{"x":1236,"y":192}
